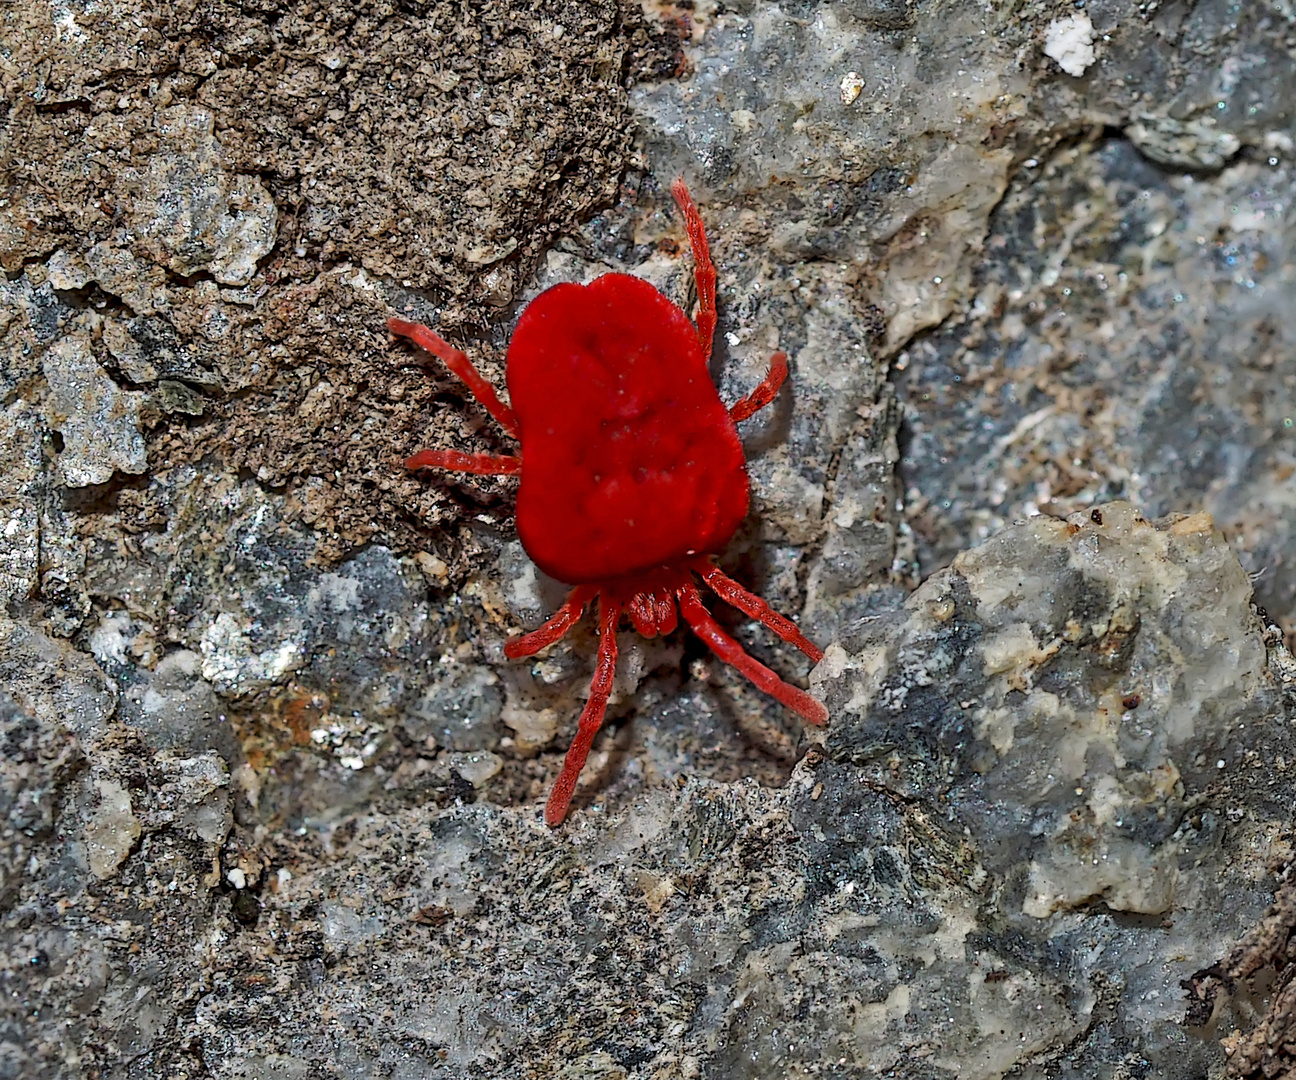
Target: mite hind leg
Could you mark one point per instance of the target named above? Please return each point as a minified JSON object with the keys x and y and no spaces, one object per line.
{"x":562,"y":620}
{"x":754,"y":606}
{"x":733,"y":654}
{"x":591,"y":718}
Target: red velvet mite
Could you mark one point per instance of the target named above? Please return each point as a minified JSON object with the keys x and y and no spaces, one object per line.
{"x":632,"y":475}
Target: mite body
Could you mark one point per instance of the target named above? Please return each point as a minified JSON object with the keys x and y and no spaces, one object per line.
{"x":632,"y":475}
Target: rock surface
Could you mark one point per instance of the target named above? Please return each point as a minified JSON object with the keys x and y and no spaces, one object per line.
{"x":1052,"y":787}
{"x":269,"y":787}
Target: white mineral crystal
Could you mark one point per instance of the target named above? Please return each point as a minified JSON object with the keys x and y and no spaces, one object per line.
{"x":851,"y":85}
{"x":1069,"y":41}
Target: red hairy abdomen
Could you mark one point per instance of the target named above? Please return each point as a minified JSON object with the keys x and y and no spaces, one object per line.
{"x":629,"y":458}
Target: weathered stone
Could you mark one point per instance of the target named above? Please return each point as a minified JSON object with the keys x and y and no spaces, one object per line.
{"x":339,"y":863}
{"x":191,"y":213}
{"x":99,"y":423}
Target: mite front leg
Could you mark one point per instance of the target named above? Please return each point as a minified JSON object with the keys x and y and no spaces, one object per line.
{"x":457,"y":361}
{"x":766,"y":392}
{"x":703,"y":268}
{"x":458,"y":461}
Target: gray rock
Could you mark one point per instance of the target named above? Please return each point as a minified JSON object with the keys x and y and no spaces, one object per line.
{"x":36,"y":755}
{"x":108,"y":860}
{"x":998,"y":860}
{"x":1071,"y":689}
{"x":20,"y":502}
{"x":55,"y":681}
{"x":1183,"y":398}
{"x":149,"y":349}
{"x":31,"y":316}
{"x":191,"y":213}
{"x":115,"y":269}
{"x":1198,"y":144}
{"x":271,"y":788}
{"x":460,"y":712}
{"x":99,"y":423}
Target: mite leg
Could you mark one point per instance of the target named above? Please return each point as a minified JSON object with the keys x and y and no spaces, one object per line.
{"x":457,"y":461}
{"x":562,"y":620}
{"x":735,"y":595}
{"x":703,"y":269}
{"x":591,"y":716}
{"x":457,"y":361}
{"x":732,"y":654}
{"x":765,"y":392}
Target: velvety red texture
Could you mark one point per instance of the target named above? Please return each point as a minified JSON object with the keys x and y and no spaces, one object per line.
{"x":630,"y":460}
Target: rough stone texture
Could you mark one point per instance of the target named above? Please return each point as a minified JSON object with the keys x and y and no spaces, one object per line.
{"x":998,"y":860}
{"x":1148,"y":355}
{"x":97,"y":421}
{"x":270,"y":786}
{"x":250,"y":189}
{"x":110,"y":859}
{"x":1105,"y":692}
{"x":1130,"y":333}
{"x":1261,"y":955}
{"x":20,"y":502}
{"x":189,"y":214}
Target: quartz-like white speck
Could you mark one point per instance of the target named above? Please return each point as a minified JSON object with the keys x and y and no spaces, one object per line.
{"x":1069,"y":41}
{"x":851,"y":85}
